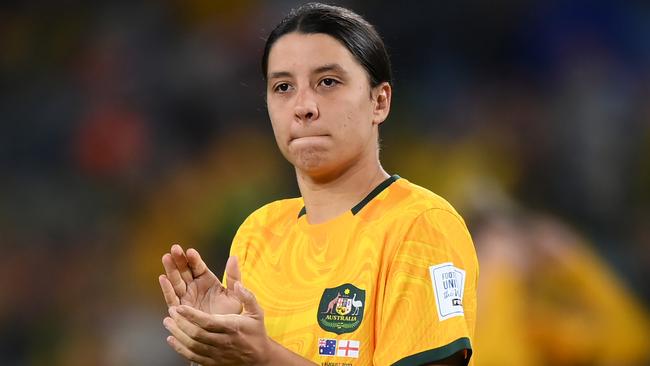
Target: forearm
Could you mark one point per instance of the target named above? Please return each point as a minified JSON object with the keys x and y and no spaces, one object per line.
{"x":280,"y":356}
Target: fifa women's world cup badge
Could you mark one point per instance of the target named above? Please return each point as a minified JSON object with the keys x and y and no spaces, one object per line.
{"x":341,"y":308}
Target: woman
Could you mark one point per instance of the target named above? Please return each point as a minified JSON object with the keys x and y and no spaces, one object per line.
{"x":364,"y":268}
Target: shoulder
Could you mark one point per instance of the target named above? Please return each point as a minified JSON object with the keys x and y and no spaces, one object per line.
{"x":274,"y":215}
{"x":411,"y":201}
{"x":269,"y":221}
{"x":416,"y":215}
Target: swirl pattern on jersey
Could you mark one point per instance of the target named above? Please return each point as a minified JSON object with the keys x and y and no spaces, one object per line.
{"x":386,"y":250}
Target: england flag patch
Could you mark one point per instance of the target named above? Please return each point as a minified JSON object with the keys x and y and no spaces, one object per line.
{"x":448,"y":283}
{"x":348,"y":348}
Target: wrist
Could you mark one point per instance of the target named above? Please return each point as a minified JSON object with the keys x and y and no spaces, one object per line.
{"x":276,"y":354}
{"x":268,"y":349}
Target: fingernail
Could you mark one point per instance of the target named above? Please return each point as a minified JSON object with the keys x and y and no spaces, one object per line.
{"x":180,"y":310}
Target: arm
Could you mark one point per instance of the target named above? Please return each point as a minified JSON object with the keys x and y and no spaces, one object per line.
{"x":434,"y":269}
{"x":233,"y":339}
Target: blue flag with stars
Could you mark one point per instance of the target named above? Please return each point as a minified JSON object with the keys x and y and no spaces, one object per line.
{"x":326,"y":347}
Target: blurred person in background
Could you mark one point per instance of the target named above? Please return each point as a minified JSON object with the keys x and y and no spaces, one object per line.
{"x":365,"y":268}
{"x":547,"y":298}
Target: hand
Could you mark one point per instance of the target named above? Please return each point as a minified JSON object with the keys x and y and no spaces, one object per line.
{"x":214,"y":339}
{"x":188,"y":281}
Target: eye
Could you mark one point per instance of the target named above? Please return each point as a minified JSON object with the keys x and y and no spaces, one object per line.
{"x":329,"y":82}
{"x":282,"y":88}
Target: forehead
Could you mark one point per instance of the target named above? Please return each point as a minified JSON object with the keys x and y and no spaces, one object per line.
{"x":298,"y":52}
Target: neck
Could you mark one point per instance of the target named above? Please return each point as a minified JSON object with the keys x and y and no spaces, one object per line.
{"x":327,"y":198}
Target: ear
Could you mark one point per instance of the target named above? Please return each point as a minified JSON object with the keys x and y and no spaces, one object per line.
{"x":381,"y":97}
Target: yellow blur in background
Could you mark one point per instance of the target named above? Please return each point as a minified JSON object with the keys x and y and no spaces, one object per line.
{"x":130,"y":126}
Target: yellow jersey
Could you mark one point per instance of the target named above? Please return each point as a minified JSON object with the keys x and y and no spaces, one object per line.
{"x":390,"y":282}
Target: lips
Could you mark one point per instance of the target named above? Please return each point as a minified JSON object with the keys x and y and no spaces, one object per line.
{"x":298,"y":137}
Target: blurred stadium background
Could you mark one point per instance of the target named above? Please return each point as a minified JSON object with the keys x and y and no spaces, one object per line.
{"x":128,"y":126}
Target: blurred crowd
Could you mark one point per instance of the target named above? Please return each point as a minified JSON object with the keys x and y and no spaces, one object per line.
{"x":128,"y":126}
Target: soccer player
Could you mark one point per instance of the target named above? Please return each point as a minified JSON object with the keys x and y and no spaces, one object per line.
{"x":365,"y":268}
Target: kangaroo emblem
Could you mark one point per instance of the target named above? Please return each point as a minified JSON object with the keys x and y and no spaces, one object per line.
{"x":332,"y":304}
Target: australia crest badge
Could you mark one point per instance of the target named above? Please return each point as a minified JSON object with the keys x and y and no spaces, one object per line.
{"x":341,"y":308}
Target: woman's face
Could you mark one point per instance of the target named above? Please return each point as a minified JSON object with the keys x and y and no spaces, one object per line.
{"x":324,"y":114}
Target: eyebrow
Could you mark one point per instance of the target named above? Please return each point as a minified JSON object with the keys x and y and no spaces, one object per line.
{"x":319,"y":70}
{"x":330,"y":67}
{"x":280,"y":74}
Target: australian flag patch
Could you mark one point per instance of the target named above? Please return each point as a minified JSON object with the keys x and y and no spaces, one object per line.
{"x":326,"y":347}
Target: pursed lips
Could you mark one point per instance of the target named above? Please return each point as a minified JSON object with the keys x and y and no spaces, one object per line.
{"x":301,"y":136}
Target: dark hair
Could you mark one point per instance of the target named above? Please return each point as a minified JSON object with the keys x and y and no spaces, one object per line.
{"x":349,"y":28}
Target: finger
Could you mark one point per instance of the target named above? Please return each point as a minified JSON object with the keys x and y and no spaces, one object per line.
{"x":182,"y":350}
{"x":197,"y":265}
{"x":194,"y":331}
{"x":247,"y":298}
{"x":181,"y":263}
{"x":174,"y":275}
{"x":168,"y":291}
{"x":215,"y":323}
{"x":232,"y":272}
{"x":188,"y":342}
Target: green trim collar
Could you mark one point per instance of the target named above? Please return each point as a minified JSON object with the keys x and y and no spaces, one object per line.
{"x":437,"y":354}
{"x":355,"y":210}
{"x":383,"y":185}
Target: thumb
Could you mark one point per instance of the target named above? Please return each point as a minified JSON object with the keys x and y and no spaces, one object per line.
{"x":233,"y":274}
{"x":247,"y":298}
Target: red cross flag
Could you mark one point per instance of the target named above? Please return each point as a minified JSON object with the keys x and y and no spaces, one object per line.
{"x":348,"y":349}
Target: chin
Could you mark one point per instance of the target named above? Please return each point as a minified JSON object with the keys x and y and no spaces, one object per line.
{"x":308,"y":158}
{"x":319,"y":170}
{"x":316,"y":161}
{"x":311,"y":163}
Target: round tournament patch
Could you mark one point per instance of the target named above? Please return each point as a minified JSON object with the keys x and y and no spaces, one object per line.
{"x":341,"y":308}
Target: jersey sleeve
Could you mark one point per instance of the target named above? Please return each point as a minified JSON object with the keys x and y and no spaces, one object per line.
{"x":239,"y":246}
{"x":428,"y":309}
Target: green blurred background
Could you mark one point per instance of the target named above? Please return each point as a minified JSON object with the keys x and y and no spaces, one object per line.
{"x":127,"y":126}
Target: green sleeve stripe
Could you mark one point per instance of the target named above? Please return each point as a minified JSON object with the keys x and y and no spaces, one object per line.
{"x":437,"y":354}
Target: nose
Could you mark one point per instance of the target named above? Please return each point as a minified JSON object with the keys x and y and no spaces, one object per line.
{"x":306,"y":108}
